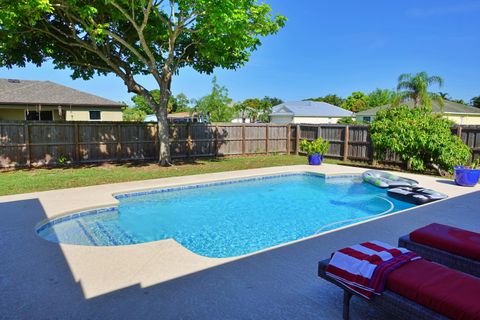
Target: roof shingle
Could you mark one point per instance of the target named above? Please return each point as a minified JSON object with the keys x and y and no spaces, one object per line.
{"x":47,"y":93}
{"x":310,"y":109}
{"x":449,"y":107}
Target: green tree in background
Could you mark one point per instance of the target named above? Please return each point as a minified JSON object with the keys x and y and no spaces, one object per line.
{"x":135,"y":38}
{"x":420,"y":137}
{"x":446,"y":97}
{"x":356,"y":102}
{"x":380,"y":97}
{"x":217,"y":105}
{"x":253,"y":108}
{"x":415,"y":87}
{"x":475,"y":102}
{"x":133,"y":114}
{"x":329,"y":98}
{"x":272,"y":101}
{"x":177,"y":103}
{"x":256,"y":109}
{"x":242,"y":110}
{"x":180,"y":103}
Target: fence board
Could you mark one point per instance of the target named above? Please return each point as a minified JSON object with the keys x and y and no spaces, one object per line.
{"x":42,"y":143}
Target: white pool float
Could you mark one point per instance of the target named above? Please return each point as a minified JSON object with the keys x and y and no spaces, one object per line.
{"x":384,"y":179}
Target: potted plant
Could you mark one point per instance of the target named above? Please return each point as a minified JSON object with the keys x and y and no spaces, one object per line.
{"x":315,"y":150}
{"x":467,"y":176}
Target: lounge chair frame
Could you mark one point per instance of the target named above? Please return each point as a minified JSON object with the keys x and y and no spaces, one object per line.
{"x":388,"y":301}
{"x":445,"y":258}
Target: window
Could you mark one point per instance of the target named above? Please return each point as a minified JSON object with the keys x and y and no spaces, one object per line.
{"x":95,"y":115}
{"x":367,"y":119}
{"x":42,"y":115}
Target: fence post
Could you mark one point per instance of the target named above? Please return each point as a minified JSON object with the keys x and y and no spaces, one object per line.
{"x":118,"y":150}
{"x":156,"y":141}
{"x":297,"y":139}
{"x":215,"y":141}
{"x":26,"y":132}
{"x":243,"y":139}
{"x":345,"y":143}
{"x":77,"y":143}
{"x":289,"y":138}
{"x":189,"y":141}
{"x":319,"y":131}
{"x":459,"y":132}
{"x":266,"y":138}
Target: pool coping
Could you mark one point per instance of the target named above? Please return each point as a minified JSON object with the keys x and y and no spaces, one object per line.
{"x":102,"y":269}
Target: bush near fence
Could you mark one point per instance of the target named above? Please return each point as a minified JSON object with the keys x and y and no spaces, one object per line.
{"x":48,"y":143}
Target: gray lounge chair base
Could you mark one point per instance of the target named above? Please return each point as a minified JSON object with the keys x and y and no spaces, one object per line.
{"x":389,"y":301}
{"x":445,"y":258}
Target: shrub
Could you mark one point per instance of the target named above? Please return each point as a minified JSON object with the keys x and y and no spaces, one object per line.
{"x":346,"y":120}
{"x":319,"y":146}
{"x":420,"y":137}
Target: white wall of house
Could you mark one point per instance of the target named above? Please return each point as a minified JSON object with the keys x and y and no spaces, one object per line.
{"x":281,"y":119}
{"x":316,"y":120}
{"x":240,"y":120}
{"x":297,"y":120}
{"x":462,"y":119}
{"x":106,"y":114}
{"x":465,"y":119}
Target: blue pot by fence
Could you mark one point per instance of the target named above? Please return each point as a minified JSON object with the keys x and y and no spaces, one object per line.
{"x":466,"y":177}
{"x":315,"y":159}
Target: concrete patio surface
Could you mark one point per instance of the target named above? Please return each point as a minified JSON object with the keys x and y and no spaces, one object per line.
{"x":163,"y":280}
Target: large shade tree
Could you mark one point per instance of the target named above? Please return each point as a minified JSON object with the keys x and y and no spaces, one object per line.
{"x":131,"y":38}
{"x":415,"y":87}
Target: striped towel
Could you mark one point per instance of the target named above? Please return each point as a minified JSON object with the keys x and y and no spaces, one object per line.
{"x":364,"y":267}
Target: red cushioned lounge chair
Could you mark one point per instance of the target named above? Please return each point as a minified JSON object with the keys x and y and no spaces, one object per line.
{"x":453,"y":247}
{"x":421,"y":290}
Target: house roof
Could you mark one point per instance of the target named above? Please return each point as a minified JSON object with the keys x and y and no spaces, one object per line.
{"x":180,"y":115}
{"x":449,"y":107}
{"x":23,"y":92}
{"x":309,"y":109}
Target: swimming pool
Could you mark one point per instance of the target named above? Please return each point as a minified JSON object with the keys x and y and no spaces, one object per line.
{"x":229,"y":218}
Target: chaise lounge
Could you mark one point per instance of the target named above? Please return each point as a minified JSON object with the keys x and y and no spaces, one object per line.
{"x":420,"y":289}
{"x":452,"y":247}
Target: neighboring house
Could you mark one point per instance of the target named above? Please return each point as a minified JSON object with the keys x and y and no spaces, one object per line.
{"x":308,"y":112}
{"x":47,"y":101}
{"x":178,"y":117}
{"x":457,"y":112}
{"x":240,"y":117}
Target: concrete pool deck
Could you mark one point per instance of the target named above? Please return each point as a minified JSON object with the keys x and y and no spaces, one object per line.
{"x":163,"y":280}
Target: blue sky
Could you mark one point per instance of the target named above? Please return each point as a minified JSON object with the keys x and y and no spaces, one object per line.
{"x":333,"y":47}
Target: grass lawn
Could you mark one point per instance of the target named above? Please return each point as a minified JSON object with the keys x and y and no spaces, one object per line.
{"x":31,"y":180}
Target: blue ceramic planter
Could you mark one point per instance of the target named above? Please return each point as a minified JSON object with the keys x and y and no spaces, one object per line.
{"x":466,"y":177}
{"x":315,"y":159}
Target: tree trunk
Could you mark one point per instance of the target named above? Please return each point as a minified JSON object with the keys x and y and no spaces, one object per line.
{"x":163,"y":137}
{"x":161,"y":111}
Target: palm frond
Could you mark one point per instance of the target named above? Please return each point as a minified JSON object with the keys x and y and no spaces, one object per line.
{"x":435,"y":80}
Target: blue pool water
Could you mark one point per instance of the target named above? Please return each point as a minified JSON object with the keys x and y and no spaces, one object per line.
{"x":228,"y":219}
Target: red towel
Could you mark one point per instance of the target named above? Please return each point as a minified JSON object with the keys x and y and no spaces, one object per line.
{"x":364,"y":268}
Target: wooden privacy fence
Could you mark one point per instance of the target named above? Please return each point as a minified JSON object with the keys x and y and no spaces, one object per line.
{"x":352,"y":142}
{"x":44,"y":143}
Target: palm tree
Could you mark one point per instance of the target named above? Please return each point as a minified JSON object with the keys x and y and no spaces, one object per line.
{"x":444,"y":95}
{"x":415,"y":87}
{"x":242,"y":110}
